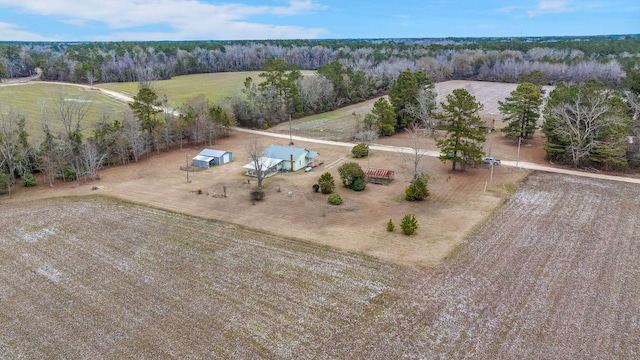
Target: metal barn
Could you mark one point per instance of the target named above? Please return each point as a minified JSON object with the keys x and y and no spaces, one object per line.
{"x":210,"y":157}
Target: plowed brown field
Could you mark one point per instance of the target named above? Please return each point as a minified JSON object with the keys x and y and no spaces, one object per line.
{"x":554,"y":274}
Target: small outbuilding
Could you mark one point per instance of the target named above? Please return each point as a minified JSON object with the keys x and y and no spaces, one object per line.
{"x":210,"y":157}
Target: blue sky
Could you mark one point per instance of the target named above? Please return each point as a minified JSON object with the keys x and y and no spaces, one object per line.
{"x":116,"y":20}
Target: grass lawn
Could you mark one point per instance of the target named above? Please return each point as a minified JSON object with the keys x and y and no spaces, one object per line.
{"x":178,"y":90}
{"x":28,"y":99}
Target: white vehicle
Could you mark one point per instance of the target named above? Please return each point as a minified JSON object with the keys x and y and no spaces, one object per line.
{"x":490,"y":160}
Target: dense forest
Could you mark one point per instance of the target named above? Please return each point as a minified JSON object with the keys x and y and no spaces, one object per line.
{"x":604,"y":59}
{"x":597,"y":78}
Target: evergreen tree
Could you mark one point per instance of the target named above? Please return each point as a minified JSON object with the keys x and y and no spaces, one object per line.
{"x":404,"y":93}
{"x":521,"y":110}
{"x":465,"y":133}
{"x":383,"y":116}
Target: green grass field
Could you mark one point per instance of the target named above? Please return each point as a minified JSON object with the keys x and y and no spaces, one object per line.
{"x":180,"y":89}
{"x":28,"y":99}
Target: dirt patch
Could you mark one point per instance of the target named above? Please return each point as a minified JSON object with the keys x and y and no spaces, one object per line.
{"x":291,"y":208}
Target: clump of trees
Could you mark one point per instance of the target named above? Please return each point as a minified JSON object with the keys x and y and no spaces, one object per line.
{"x":587,"y":125}
{"x":352,"y":176}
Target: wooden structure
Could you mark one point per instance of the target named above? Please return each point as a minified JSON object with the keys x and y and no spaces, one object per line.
{"x":379,"y":176}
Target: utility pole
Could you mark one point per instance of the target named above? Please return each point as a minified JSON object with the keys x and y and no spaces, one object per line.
{"x":290,"y":135}
{"x":186,"y":156}
{"x":518,"y":157}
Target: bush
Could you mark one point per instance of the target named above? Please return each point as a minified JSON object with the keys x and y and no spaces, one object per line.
{"x":334,"y":199}
{"x":390,"y":226}
{"x":360,"y":151}
{"x":349,"y":172}
{"x":326,"y":183}
{"x":257,"y":195}
{"x":409,"y":224}
{"x":358,"y":184}
{"x":417,"y":189}
{"x":69,"y":173}
{"x":28,"y":180}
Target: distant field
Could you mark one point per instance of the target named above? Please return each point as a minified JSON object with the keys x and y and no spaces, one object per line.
{"x":27,"y":98}
{"x":179,"y":89}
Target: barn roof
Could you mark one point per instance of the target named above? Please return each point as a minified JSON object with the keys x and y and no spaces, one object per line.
{"x":379,"y":173}
{"x":212,"y":153}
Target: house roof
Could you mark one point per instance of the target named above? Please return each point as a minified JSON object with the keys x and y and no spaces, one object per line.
{"x":212,"y":153}
{"x":266,"y":162}
{"x":285,"y":152}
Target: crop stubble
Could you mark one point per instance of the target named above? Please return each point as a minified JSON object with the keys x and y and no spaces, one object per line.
{"x":554,"y":274}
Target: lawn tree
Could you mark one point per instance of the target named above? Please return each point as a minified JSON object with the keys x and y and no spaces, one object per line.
{"x":415,"y":141}
{"x":586,"y":124}
{"x":423,"y":108}
{"x":521,"y":111}
{"x":465,"y":133}
{"x":326,"y":183}
{"x":255,"y":149}
{"x":146,"y":108}
{"x":404,"y":93}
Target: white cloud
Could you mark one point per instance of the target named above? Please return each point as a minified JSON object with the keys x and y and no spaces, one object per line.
{"x":12,"y":31}
{"x":550,"y":7}
{"x":191,"y":19}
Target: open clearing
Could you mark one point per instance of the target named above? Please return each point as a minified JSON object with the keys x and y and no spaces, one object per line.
{"x":554,"y":274}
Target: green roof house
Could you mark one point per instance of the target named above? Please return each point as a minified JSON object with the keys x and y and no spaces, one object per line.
{"x":293,"y":158}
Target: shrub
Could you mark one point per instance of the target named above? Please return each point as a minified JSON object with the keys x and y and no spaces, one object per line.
{"x":69,"y":173}
{"x":358,"y":184}
{"x":390,"y":226}
{"x":409,"y":224}
{"x":349,"y":172}
{"x":360,"y":151}
{"x":417,"y":189}
{"x":28,"y":180}
{"x":257,"y":195}
{"x":326,"y":183}
{"x":334,"y":199}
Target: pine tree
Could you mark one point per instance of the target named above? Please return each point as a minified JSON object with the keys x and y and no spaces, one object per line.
{"x":521,"y":110}
{"x":465,"y":133}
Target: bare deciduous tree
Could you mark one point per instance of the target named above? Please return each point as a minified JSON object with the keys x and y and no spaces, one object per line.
{"x":255,"y":149}
{"x":416,"y":142}
{"x":423,"y":109}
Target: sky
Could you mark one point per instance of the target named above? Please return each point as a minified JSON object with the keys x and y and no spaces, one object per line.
{"x":154,"y":20}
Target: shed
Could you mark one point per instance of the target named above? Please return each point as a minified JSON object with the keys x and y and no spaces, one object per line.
{"x":211,"y":157}
{"x":379,"y":176}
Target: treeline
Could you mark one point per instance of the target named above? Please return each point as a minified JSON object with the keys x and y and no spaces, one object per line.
{"x":70,"y":154}
{"x":604,"y":59}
